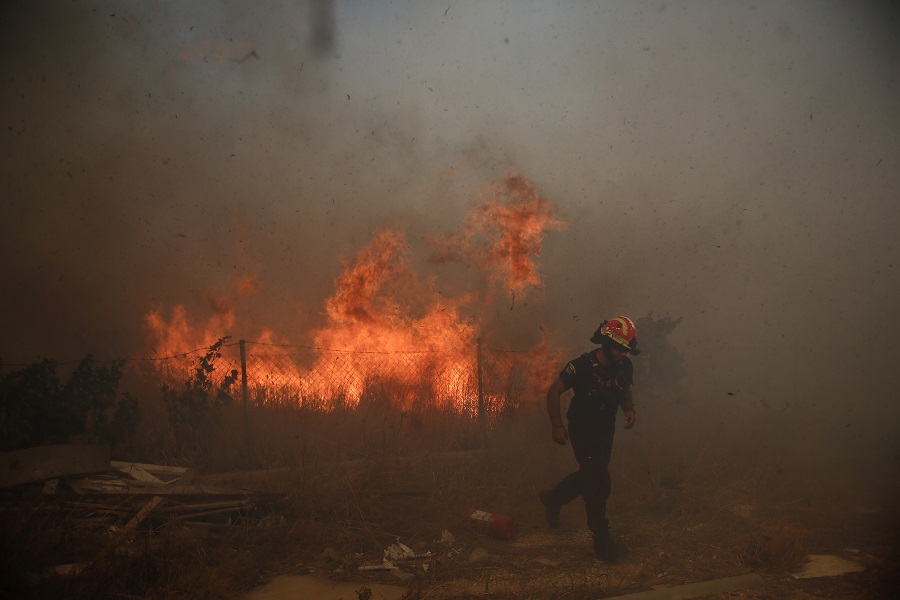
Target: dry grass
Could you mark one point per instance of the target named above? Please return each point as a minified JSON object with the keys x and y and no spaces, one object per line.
{"x":776,"y":547}
{"x":334,"y":489}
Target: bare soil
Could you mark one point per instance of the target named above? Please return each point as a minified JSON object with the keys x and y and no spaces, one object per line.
{"x":715,"y":519}
{"x":689,"y":512}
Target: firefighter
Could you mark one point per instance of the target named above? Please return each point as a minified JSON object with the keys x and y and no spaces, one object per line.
{"x":601,"y":380}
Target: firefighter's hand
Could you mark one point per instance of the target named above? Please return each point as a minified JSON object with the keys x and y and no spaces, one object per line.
{"x":630,"y":418}
{"x":560,"y":435}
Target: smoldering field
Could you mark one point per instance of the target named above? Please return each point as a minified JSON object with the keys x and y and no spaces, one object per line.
{"x":732,"y":166}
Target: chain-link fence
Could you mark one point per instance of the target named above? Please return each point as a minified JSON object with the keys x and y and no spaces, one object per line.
{"x":476,"y":381}
{"x":245,"y":404}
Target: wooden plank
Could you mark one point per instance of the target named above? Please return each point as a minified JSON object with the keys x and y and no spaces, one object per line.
{"x":122,"y":535}
{"x":97,"y":505}
{"x":138,"y":488}
{"x":141,"y":515}
{"x":205,"y":513}
{"x":46,"y":462}
{"x":150,"y":468}
{"x":114,"y":486}
{"x":207,"y":506}
{"x":140,"y":474}
{"x":104,"y":511}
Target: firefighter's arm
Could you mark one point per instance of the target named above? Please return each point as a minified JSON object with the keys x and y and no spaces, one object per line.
{"x":560,"y":435}
{"x":627,"y":404}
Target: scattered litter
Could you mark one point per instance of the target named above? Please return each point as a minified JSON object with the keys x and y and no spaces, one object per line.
{"x":385,"y":565}
{"x":398,"y":553}
{"x":496,"y":525}
{"x":447,"y":538}
{"x":87,"y":489}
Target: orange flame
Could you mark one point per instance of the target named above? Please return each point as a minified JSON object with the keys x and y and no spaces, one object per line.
{"x":512,"y":225}
{"x":389,"y":331}
{"x":519,"y":216}
{"x":363,"y":319}
{"x":178,"y":335}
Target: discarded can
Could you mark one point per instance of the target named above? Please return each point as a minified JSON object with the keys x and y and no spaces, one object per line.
{"x":498,"y":526}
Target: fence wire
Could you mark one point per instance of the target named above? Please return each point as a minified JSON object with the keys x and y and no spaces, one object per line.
{"x":478,"y":382}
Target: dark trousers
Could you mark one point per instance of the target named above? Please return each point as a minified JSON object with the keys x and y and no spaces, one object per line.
{"x":591,"y":481}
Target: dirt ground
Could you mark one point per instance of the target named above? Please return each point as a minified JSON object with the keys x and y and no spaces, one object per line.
{"x":709,"y":521}
{"x":690,"y":511}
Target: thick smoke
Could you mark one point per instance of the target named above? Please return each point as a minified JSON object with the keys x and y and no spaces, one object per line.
{"x":733,"y":165}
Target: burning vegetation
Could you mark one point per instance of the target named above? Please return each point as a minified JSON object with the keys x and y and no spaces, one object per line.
{"x":387,"y":327}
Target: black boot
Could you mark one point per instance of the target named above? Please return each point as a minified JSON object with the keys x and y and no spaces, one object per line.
{"x":608,"y":548}
{"x":551,"y":509}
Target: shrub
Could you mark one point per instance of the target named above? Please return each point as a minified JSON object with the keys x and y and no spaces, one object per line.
{"x":194,"y":406}
{"x":37,"y":408}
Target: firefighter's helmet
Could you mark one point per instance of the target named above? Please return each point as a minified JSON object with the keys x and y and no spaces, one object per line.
{"x":621,"y":331}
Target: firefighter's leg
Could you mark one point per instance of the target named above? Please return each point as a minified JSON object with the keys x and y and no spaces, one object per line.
{"x":596,"y":490}
{"x":565,"y":491}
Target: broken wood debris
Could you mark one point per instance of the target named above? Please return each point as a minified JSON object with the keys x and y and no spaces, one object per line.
{"x":139,"y":517}
{"x":86,"y":487}
{"x":107,"y":483}
{"x":155,"y":474}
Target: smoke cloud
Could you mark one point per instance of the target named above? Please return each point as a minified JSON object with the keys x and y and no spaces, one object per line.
{"x":733,"y":165}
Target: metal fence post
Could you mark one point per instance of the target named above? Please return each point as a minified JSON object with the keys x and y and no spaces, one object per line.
{"x":244,"y":394}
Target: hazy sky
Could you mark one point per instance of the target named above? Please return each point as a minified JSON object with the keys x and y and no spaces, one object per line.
{"x":733,"y":164}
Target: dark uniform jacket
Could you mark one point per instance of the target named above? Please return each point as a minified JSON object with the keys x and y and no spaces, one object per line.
{"x":599,"y":391}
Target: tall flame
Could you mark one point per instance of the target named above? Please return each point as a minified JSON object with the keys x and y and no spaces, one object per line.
{"x":178,"y":335}
{"x":384,"y":330}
